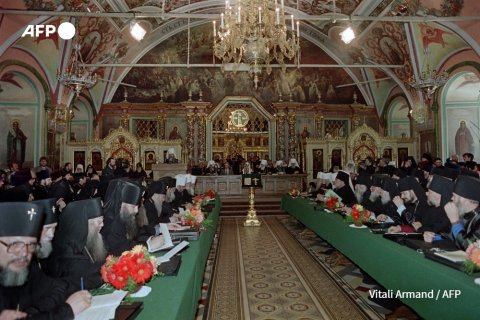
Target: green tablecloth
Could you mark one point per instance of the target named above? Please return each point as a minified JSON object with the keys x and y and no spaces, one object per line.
{"x":394,"y":266}
{"x":177,"y":297}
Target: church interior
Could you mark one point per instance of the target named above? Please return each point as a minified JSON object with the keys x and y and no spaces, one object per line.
{"x":220,"y":89}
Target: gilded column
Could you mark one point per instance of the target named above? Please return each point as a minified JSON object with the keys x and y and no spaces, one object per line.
{"x":162,"y":120}
{"x":190,"y":136}
{"x":280,"y":118}
{"x":319,"y":126}
{"x":291,"y":119}
{"x":202,"y":136}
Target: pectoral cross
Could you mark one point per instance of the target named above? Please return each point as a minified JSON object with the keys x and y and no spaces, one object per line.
{"x":31,"y":213}
{"x":255,"y":180}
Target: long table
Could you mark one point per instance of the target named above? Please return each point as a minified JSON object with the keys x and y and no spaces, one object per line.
{"x":273,"y":185}
{"x":395,"y":267}
{"x":177,"y":297}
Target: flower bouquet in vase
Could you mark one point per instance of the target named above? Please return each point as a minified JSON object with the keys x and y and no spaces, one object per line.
{"x":472,"y":263}
{"x":210,"y":194}
{"x":199,"y":201}
{"x":331,"y":203}
{"x":131,"y":270}
{"x":294,"y":192}
{"x":195,"y":217}
{"x":358,"y":215}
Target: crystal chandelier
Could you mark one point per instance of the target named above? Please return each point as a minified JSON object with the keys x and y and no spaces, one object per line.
{"x":429,"y":81}
{"x":75,"y":77}
{"x":255,"y":32}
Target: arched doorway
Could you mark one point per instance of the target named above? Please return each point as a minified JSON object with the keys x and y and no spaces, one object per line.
{"x":240,"y":125}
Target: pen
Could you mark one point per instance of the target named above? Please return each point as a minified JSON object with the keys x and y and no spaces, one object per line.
{"x":18,"y":307}
{"x":81,"y":282}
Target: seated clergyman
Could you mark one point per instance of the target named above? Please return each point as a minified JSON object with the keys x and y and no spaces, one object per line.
{"x":78,"y":247}
{"x":463,"y":212}
{"x":121,"y":232}
{"x":25,"y":291}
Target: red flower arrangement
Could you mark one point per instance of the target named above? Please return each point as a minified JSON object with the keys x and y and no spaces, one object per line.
{"x":359,"y":215}
{"x":199,"y":201}
{"x":133,"y":267}
{"x":294,"y":192}
{"x":210,"y":194}
{"x":331,"y":202}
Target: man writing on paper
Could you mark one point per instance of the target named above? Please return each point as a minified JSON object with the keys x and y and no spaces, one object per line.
{"x":121,"y":232}
{"x":24,"y":289}
{"x":78,"y":247}
{"x":157,"y":210}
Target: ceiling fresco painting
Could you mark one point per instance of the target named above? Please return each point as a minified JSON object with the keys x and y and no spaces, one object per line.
{"x":107,"y":40}
{"x":303,"y":84}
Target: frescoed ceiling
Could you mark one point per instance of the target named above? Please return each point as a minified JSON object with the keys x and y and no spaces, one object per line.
{"x":106,"y":41}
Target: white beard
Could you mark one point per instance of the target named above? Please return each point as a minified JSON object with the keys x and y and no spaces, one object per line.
{"x":385,"y":200}
{"x":359,"y":195}
{"x":373,"y":196}
{"x":44,"y":249}
{"x":190,"y":190}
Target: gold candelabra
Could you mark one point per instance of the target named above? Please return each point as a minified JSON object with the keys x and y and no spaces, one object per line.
{"x":255,"y":32}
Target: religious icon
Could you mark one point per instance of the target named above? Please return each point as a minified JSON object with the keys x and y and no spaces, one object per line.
{"x":175,"y":133}
{"x":239,"y":118}
{"x":402,"y":155}
{"x":16,"y":142}
{"x":387,"y":153}
{"x":79,"y":158}
{"x":150,"y":159}
{"x":317,"y":161}
{"x":97,"y":162}
{"x":464,"y":142}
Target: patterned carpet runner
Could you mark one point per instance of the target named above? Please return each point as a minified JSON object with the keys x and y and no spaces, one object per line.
{"x":265,"y":273}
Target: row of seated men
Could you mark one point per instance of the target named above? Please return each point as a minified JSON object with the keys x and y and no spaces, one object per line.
{"x":442,"y":204}
{"x":48,"y":245}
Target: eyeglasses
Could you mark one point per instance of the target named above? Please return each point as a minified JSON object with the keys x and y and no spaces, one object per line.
{"x":16,"y":247}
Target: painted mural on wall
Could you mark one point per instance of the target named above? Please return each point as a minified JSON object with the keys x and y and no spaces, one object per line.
{"x":300,"y":85}
{"x":386,"y":44}
{"x":462,"y":131}
{"x":18,"y":136}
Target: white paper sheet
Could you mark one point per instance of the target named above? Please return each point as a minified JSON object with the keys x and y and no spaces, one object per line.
{"x":103,"y":306}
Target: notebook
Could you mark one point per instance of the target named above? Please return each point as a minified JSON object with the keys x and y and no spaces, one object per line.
{"x":102,"y":306}
{"x":455,"y":256}
{"x":172,"y":252}
{"x":166,"y":237}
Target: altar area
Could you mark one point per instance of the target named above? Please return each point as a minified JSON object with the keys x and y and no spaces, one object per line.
{"x":319,"y":136}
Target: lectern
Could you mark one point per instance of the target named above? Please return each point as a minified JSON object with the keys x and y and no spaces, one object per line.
{"x":252,"y":181}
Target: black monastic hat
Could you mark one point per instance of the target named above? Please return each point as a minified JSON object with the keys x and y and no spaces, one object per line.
{"x":467,"y":187}
{"x":390,"y":185}
{"x":442,"y":186}
{"x":49,"y":209}
{"x":20,"y":219}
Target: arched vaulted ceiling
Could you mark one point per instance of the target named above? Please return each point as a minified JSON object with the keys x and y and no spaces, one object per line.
{"x":107,"y":46}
